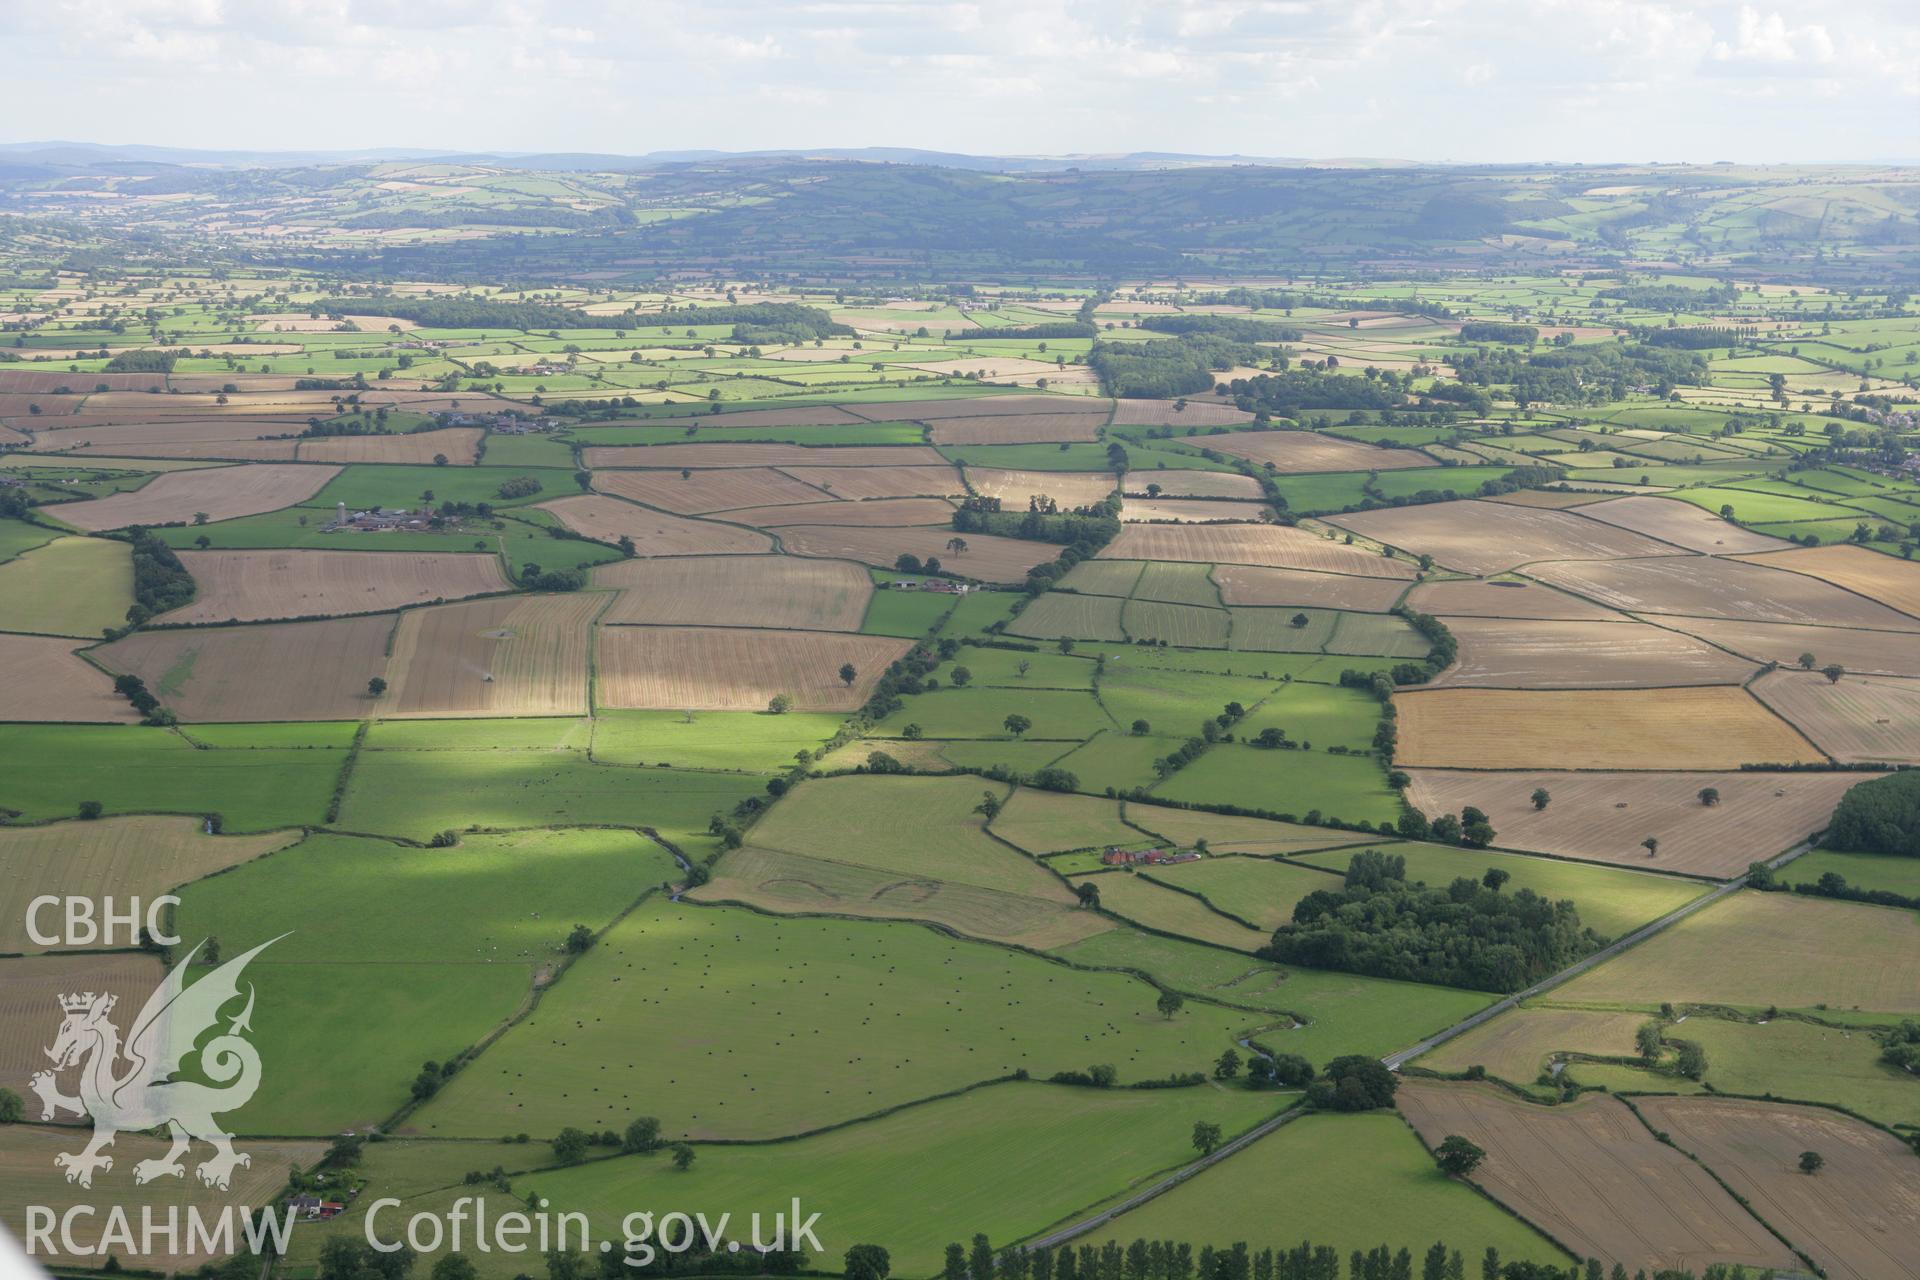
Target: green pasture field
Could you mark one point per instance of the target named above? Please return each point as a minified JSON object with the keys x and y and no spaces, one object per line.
{"x":823,"y":1020}
{"x":1826,"y":531}
{"x":418,"y":793}
{"x":17,"y":536}
{"x":1377,"y":633}
{"x":1008,"y":1160}
{"x":911,"y":614}
{"x":1325,"y":491}
{"x":1176,"y":584}
{"x":1321,"y":714}
{"x":1059,"y":614}
{"x":382,"y":485}
{"x":50,"y":769}
{"x":1115,"y":758}
{"x":1352,"y":788}
{"x":1267,"y":667}
{"x":332,"y":735}
{"x":978,"y":610}
{"x":1675,"y":475}
{"x":471,"y":923}
{"x":1020,"y":757}
{"x":1260,"y":629}
{"x":1258,"y":890}
{"x":1047,"y":822}
{"x":1186,"y":625}
{"x":552,"y":733}
{"x":1889,"y":872}
{"x":1173,"y":702}
{"x":1135,"y":898}
{"x":544,"y":452}
{"x":521,"y":542}
{"x":908,"y":826}
{"x":1106,"y":577}
{"x":1785,"y":1058}
{"x":982,"y":712}
{"x":1329,"y":1179}
{"x":747,"y":741}
{"x":1611,"y":902}
{"x":1001,"y":668}
{"x":1751,"y":507}
{"x":68,"y":587}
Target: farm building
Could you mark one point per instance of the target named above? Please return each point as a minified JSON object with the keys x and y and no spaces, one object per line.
{"x":1115,"y":857}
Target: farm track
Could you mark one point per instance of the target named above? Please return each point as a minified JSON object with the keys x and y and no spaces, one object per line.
{"x":1394,"y":1061}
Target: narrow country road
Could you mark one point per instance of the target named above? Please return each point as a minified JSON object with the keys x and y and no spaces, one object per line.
{"x":1395,"y":1060}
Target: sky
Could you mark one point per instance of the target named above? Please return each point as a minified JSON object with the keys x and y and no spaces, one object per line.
{"x":1429,"y":80}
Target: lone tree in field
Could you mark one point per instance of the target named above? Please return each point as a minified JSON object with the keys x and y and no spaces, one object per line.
{"x":1833,"y":671}
{"x":642,"y":1135}
{"x":1709,"y":796}
{"x":579,"y":939}
{"x":1647,"y":1041}
{"x":1170,"y":1003}
{"x":1141,"y":728}
{"x":1299,"y":620}
{"x":960,"y":676}
{"x":682,"y":1156}
{"x":1652,"y":845}
{"x":1088,"y":893}
{"x":1540,"y":797}
{"x":1227,"y":1067}
{"x":780,"y":704}
{"x":376,"y":687}
{"x":1024,"y":666}
{"x":1812,"y":1162}
{"x":989,"y":805}
{"x":1807,"y":660}
{"x":848,"y":673}
{"x":1494,"y":878}
{"x":1458,"y":1156}
{"x":1017,"y":724}
{"x":1206,"y":1137}
{"x":867,"y":1262}
{"x":957,"y":545}
{"x":1692,"y":1060}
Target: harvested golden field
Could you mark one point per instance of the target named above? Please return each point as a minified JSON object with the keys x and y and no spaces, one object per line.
{"x":1707,"y":728}
{"x":181,"y":438}
{"x":858,"y":483}
{"x":1858,"y":1218}
{"x":221,"y":492}
{"x":47,"y":681}
{"x":1860,"y":720}
{"x":1491,"y":537}
{"x":1189,"y":510}
{"x":1273,"y":546}
{"x":1506,"y":598}
{"x":986,"y":559}
{"x":1174,"y":483}
{"x":1024,"y":428}
{"x":796,"y":884}
{"x":1603,"y":817}
{"x":140,"y":857}
{"x":1846,"y":955}
{"x":1593,"y":1177}
{"x":1249,"y":584}
{"x":259,"y":586}
{"x":1545,"y":497}
{"x":1516,"y":1045}
{"x":1161,"y":413}
{"x":30,"y":991}
{"x":1291,"y":452}
{"x":1068,"y":488}
{"x":1713,"y":587}
{"x":281,"y":671}
{"x":875,"y":513}
{"x":738,"y":591}
{"x":1505,"y":653}
{"x":1886,"y":653}
{"x":700,"y":669}
{"x":511,"y":656}
{"x":702,"y":491}
{"x":1892,"y":582}
{"x":29,"y":1176}
{"x":654,"y":533}
{"x":818,"y":415}
{"x":727,"y":454}
{"x":1682,"y":524}
{"x":460,"y":446}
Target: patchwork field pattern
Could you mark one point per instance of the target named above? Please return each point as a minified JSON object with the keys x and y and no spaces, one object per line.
{"x":738,"y":591}
{"x":47,"y":681}
{"x":1271,"y":546}
{"x":1505,"y":653}
{"x":654,"y":533}
{"x":1858,"y":720}
{"x":221,"y":493}
{"x":284,"y":671}
{"x":511,"y":656}
{"x":259,"y":586}
{"x":736,"y":669}
{"x":1492,"y":537}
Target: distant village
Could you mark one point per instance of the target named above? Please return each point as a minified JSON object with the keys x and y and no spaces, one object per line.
{"x":384,"y":519}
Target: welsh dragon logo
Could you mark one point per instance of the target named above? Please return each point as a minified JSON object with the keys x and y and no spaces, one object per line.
{"x":128,"y":1086}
